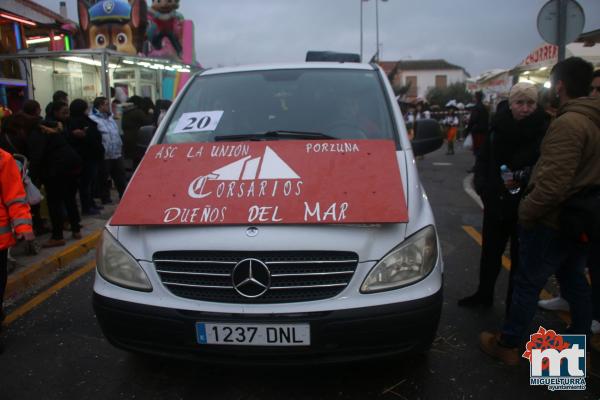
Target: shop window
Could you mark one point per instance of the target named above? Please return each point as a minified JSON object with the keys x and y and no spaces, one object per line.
{"x":124,"y":74}
{"x":147,"y":75}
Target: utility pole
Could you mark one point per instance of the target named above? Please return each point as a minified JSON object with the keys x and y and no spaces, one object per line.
{"x":377,"y":54}
{"x":377,"y":29}
{"x":377,"y":44}
{"x":361,"y":28}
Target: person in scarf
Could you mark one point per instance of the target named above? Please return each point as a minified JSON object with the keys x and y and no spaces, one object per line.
{"x":514,"y":141}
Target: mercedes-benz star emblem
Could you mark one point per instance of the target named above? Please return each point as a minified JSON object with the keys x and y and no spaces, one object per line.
{"x":252,"y":231}
{"x":251,"y":278}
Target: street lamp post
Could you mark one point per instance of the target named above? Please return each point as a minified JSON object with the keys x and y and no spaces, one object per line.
{"x":377,"y":47}
{"x":377,"y":25}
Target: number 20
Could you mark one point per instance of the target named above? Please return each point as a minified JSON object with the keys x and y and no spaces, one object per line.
{"x":201,"y":123}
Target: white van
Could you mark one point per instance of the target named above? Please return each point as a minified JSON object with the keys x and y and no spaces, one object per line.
{"x":277,"y":217}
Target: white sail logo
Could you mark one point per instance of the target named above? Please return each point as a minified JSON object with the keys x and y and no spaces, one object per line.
{"x":268,"y":167}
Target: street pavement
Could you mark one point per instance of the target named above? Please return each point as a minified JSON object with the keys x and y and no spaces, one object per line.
{"x":32,"y":266}
{"x":56,"y":350}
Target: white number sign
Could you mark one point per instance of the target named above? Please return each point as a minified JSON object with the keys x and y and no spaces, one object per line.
{"x":201,"y":121}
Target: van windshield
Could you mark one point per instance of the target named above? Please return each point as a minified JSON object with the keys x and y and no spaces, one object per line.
{"x":286,"y":103}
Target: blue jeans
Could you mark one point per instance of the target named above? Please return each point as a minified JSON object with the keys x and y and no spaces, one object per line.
{"x":543,"y":252}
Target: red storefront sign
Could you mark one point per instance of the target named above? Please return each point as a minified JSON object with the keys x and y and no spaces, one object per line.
{"x":543,"y":55}
{"x":275,"y":182}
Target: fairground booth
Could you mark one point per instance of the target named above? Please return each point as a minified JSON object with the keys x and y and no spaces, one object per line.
{"x":124,"y":45}
{"x":536,"y":67}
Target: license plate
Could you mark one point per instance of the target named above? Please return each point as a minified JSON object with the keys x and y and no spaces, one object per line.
{"x":253,"y":334}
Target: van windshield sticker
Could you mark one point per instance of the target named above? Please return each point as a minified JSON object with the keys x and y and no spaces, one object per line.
{"x":201,"y":121}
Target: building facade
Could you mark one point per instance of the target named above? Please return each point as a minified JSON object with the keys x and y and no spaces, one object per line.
{"x":419,"y":76}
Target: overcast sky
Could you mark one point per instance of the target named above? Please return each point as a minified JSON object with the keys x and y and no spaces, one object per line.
{"x":476,"y":34}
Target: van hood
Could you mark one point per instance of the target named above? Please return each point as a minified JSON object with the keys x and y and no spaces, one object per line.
{"x":370,"y":241}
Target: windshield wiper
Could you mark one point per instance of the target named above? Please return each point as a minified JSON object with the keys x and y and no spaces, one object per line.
{"x":275,"y":135}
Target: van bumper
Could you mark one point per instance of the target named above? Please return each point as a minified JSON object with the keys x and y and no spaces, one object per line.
{"x":336,"y":336}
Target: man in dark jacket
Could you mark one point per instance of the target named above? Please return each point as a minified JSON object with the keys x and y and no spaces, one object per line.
{"x":514,"y":141}
{"x":58,"y":97}
{"x":87,"y":142}
{"x":568,"y":164}
{"x":478,"y":123}
{"x":32,"y":119}
{"x":134,"y":117}
{"x":58,"y":166}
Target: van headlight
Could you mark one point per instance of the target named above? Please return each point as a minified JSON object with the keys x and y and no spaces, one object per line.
{"x":409,"y":262}
{"x":117,"y":266}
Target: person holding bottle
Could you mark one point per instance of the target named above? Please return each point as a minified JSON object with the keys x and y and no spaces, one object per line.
{"x":513,"y":144}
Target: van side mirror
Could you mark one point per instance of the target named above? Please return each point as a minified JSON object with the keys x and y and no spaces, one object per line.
{"x":428,"y":137}
{"x":144,"y":136}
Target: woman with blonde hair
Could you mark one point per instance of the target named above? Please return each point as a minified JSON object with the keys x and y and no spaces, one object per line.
{"x":514,"y":146}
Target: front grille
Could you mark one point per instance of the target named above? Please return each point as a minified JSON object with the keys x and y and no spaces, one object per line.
{"x":295,"y":275}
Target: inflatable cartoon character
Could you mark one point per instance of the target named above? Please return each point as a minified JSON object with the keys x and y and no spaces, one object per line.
{"x":165,"y":22}
{"x":113,"y":24}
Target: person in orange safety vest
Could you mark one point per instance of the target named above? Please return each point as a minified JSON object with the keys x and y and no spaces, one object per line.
{"x":15,"y":217}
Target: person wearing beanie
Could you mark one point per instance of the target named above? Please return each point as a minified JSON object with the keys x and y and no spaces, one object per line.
{"x":514,"y":141}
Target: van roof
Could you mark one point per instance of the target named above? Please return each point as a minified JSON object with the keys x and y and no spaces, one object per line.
{"x":303,"y":65}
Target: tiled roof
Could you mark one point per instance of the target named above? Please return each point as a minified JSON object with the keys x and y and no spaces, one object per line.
{"x":412,"y":65}
{"x":391,"y":67}
{"x":387,"y":66}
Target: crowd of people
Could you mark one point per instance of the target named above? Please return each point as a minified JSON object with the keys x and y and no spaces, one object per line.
{"x":546,"y":206}
{"x":77,"y":151}
{"x":535,"y":157}
{"x":454,"y":119}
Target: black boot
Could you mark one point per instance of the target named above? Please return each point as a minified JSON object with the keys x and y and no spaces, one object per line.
{"x":476,"y":300}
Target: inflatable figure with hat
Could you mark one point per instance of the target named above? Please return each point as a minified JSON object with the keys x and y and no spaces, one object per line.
{"x":114,"y":24}
{"x":165,"y":29}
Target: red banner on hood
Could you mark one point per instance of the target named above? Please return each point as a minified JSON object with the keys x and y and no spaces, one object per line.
{"x":273,"y":182}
